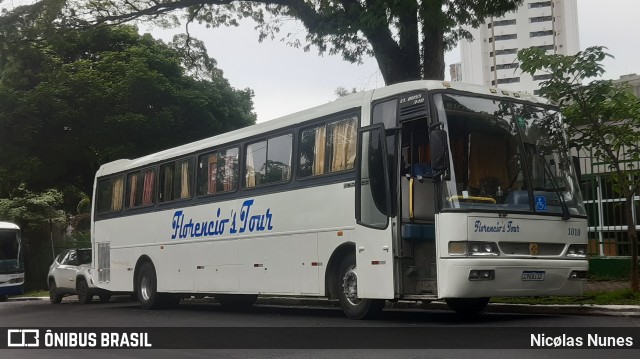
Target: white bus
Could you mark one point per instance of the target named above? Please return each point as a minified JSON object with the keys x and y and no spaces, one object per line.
{"x":11,"y":261}
{"x":418,"y":191}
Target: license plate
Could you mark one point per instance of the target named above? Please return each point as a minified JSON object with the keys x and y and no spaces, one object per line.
{"x":533,"y":275}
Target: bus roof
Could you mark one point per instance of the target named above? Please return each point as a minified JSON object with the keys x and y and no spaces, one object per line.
{"x":8,"y":225}
{"x":340,"y":104}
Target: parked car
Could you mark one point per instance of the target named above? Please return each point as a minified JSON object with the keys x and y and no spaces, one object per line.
{"x":70,"y":274}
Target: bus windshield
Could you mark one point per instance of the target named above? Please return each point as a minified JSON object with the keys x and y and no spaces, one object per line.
{"x":507,"y":156}
{"x":10,"y":252}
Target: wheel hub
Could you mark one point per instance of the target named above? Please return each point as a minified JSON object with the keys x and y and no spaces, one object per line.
{"x":350,"y":285}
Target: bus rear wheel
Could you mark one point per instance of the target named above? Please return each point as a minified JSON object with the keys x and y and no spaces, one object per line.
{"x":467,"y":306}
{"x":147,"y":287}
{"x":352,"y":306}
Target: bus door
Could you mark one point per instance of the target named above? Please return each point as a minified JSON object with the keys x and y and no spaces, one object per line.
{"x":373,"y":234}
{"x":416,"y":245}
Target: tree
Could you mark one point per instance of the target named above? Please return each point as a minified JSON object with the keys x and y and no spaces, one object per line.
{"x":71,"y":100}
{"x":408,"y":38}
{"x":600,"y":115}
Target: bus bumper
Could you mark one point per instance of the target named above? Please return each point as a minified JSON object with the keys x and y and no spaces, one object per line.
{"x":12,"y":290}
{"x":458,"y":278}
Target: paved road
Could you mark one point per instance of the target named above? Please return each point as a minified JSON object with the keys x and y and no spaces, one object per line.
{"x":278,"y":325}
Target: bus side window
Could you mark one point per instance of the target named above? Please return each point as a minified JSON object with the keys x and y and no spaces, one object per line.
{"x":175,"y":181}
{"x":218,"y":172}
{"x":268,"y":161}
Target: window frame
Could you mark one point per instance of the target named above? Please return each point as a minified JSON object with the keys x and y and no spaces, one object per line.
{"x":244,"y":173}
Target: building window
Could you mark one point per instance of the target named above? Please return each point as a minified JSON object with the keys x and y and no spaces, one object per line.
{"x":540,"y":19}
{"x":505,"y":37}
{"x":540,"y":33}
{"x":268,"y":161}
{"x":539,"y":4}
{"x":546,"y":47}
{"x":504,"y":22}
{"x":541,"y":77}
{"x":508,"y":80}
{"x":506,"y":52}
{"x":512,"y":65}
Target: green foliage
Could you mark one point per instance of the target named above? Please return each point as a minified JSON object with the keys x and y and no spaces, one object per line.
{"x":408,"y":38}
{"x":71,"y":100}
{"x":601,"y":117}
{"x":31,"y":210}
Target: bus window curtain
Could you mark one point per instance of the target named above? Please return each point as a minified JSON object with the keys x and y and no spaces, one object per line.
{"x":117,"y":195}
{"x":319,"y":150}
{"x":133,"y":192}
{"x":184,"y":180}
{"x":147,"y":189}
{"x":167,"y":188}
{"x":344,"y":146}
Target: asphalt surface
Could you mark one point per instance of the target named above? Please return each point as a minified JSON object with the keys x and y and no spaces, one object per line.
{"x":575,"y":309}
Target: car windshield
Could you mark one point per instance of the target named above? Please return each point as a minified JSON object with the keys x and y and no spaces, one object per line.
{"x":507,"y":156}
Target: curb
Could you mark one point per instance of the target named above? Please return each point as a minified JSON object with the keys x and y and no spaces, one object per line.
{"x":570,"y":309}
{"x":496,"y":308}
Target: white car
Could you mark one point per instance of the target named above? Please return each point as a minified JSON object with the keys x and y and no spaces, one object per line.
{"x":70,"y":274}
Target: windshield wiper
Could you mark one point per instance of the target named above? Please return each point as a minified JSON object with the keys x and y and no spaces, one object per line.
{"x":563,"y":204}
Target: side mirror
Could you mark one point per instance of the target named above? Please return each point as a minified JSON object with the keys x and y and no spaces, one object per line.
{"x":439,"y":152}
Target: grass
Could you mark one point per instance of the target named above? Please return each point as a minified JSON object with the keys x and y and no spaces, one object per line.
{"x":616,"y":297}
{"x":35,"y":293}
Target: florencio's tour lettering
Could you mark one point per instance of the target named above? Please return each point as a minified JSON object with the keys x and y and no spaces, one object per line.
{"x":500,"y":226}
{"x":243,"y":221}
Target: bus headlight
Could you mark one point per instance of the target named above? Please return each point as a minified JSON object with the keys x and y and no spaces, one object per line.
{"x":473,"y":248}
{"x":577,"y":251}
{"x":483,"y":249}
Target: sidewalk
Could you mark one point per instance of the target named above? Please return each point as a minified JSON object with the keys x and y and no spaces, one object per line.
{"x":605,"y":286}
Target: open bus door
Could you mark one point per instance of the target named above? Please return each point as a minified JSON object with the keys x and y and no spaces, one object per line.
{"x":373,"y":234}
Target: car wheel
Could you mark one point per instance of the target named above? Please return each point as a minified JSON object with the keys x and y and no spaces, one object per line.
{"x":104,"y":298}
{"x":352,"y":306}
{"x":54,"y":297}
{"x":84,"y":297}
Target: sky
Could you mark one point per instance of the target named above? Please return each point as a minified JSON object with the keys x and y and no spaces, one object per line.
{"x":286,"y":80}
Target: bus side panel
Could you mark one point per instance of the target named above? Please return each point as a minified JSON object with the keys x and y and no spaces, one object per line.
{"x":374,"y":262}
{"x":306,"y":277}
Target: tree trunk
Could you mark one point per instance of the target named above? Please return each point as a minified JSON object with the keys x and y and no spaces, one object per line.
{"x":433,"y":65}
{"x":633,"y":238}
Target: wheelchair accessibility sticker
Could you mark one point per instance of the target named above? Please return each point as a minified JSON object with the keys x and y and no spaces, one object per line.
{"x":541,"y":203}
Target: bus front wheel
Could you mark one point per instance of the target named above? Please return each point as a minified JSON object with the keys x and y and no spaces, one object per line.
{"x":353,"y":306}
{"x":467,"y":306}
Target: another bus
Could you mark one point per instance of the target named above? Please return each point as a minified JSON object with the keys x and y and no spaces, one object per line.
{"x":11,"y":261}
{"x":417,"y":191}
